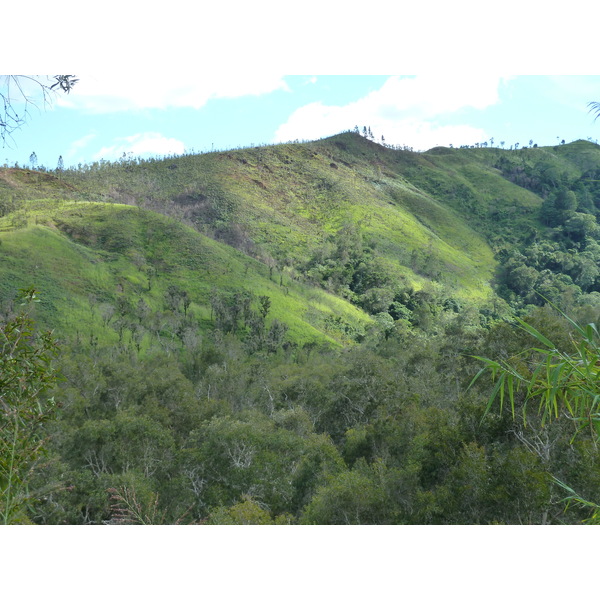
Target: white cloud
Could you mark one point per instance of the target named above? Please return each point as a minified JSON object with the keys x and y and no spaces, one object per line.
{"x":406,"y":110}
{"x":120,"y":92}
{"x":78,"y":145}
{"x":141,"y":144}
{"x":81,"y":143}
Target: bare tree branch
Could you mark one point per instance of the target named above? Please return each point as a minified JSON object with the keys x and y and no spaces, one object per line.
{"x":20,"y":93}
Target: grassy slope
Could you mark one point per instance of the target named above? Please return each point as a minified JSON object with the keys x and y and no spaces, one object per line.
{"x":289,"y":198}
{"x":284,"y":200}
{"x":403,"y":201}
{"x":81,"y":250}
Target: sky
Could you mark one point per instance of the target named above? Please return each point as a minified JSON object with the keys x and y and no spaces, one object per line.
{"x":236,"y":74}
{"x":106,"y":117}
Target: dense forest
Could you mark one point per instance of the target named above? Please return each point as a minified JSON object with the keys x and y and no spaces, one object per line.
{"x":290,"y":334}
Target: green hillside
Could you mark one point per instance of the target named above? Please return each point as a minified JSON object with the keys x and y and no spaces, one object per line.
{"x":88,"y":257}
{"x":343,"y":215}
{"x":286,"y":334}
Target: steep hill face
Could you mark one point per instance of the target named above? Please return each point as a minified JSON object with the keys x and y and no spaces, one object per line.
{"x":114,"y":271}
{"x":335,"y":232}
{"x":287,"y":334}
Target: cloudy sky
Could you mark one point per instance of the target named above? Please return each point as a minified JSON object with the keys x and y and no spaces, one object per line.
{"x":105,"y":117}
{"x":154,"y":83}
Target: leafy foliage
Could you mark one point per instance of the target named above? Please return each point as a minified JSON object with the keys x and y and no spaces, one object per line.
{"x":26,"y":376}
{"x":560,"y":382}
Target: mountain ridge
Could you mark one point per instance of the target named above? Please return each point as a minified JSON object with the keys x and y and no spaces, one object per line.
{"x":344,"y":215}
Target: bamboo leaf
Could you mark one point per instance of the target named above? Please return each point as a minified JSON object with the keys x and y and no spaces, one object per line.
{"x":576,"y":325}
{"x":535,"y":333}
{"x":511,"y":393}
{"x":490,"y":364}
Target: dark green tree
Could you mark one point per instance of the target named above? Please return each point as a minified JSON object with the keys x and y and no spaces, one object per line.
{"x":565,"y":200}
{"x":27,"y":376}
{"x":265,"y":305}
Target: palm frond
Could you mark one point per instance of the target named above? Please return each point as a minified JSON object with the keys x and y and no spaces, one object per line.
{"x":595,"y":108}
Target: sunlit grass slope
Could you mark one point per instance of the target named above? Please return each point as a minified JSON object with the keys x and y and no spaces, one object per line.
{"x":291,"y":197}
{"x":82,"y":255}
{"x":287,"y":199}
{"x":449,"y":209}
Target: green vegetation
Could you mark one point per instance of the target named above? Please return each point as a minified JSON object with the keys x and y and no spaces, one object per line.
{"x":285,"y":335}
{"x":562,"y":383}
{"x":98,"y":262}
{"x":26,"y":374}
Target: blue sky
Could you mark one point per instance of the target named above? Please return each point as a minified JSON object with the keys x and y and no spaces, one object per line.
{"x":210,"y":76}
{"x":106,"y":116}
